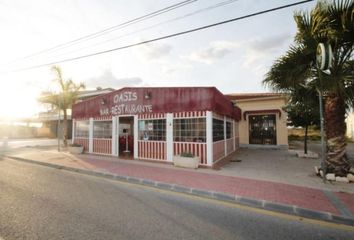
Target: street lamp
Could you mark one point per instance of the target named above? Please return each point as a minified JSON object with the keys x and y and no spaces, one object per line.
{"x":58,"y":129}
{"x":324,"y":63}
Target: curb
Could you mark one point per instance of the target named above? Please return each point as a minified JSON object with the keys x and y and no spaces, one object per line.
{"x":255,"y":203}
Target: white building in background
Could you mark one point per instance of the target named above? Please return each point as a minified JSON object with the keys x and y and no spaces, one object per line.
{"x":350,"y":124}
{"x":49,"y":118}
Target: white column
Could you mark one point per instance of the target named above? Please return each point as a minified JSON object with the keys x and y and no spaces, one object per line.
{"x":136,"y":136}
{"x":225,"y":137}
{"x":114,"y":136}
{"x":91,"y":136}
{"x":117,"y":139}
{"x":234,"y":134}
{"x":209,"y":137}
{"x":73,"y":131}
{"x":169,"y":136}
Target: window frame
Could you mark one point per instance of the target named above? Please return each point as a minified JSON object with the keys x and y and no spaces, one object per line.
{"x":158,"y":134}
{"x":229,"y":130}
{"x":218,"y":130}
{"x":79,"y":131}
{"x":189,"y":130}
{"x":107,"y":133}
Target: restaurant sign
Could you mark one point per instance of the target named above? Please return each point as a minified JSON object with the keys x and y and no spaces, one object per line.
{"x":126,"y":103}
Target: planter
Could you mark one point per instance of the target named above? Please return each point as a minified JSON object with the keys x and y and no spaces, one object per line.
{"x":187,"y":162}
{"x":76,"y":150}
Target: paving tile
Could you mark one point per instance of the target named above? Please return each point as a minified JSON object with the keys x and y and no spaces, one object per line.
{"x":347,"y":199}
{"x":183,"y":180}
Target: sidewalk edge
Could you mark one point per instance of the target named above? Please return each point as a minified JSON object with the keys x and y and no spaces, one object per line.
{"x":251,"y":202}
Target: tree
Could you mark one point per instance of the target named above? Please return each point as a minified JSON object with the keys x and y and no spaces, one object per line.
{"x":303,"y":110}
{"x":331,"y":23}
{"x":64,"y":99}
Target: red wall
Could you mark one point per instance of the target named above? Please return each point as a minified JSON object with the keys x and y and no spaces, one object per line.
{"x":132,"y":101}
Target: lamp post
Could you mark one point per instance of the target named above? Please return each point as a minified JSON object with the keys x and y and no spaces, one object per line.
{"x":324,"y":63}
{"x":323,"y":144}
{"x":58,"y":129}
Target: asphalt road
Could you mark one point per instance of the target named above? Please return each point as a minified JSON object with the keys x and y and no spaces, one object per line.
{"x":38,"y":202}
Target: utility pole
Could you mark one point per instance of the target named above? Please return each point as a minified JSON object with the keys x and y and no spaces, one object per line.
{"x":58,"y":129}
{"x":324,"y":63}
{"x":323,"y":144}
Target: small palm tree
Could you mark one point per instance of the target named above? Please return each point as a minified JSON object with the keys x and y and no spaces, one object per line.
{"x":303,"y":110}
{"x":64,"y":99}
{"x":331,"y":23}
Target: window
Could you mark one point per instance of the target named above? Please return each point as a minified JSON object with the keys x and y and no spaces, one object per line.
{"x":102,"y":129}
{"x":218,"y":130}
{"x":152,"y":130}
{"x":82,"y":129}
{"x":189,"y":130}
{"x":229,"y":130}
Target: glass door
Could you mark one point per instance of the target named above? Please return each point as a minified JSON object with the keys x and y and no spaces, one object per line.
{"x":126,"y":136}
{"x":262,"y":129}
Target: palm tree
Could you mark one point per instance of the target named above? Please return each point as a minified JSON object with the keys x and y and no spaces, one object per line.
{"x":331,"y":23}
{"x":64,"y":99}
{"x":303,"y":110}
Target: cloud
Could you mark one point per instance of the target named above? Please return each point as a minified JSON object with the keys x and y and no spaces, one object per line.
{"x":169,"y":68}
{"x":107,"y":79}
{"x":215,"y":51}
{"x":269,"y":44}
{"x":153,"y":51}
{"x":263,"y":49}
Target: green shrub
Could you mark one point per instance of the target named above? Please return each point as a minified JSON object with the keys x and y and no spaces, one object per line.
{"x":75,"y":145}
{"x":294,"y":138}
{"x":302,"y":138}
{"x":187,"y":154}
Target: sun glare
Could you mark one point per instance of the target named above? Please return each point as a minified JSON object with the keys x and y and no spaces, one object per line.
{"x":18,"y":103}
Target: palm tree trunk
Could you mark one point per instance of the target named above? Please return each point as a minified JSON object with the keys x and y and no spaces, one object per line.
{"x":336,"y":161}
{"x":65,"y":129}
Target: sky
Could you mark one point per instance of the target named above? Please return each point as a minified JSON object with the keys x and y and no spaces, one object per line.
{"x":233,"y":57}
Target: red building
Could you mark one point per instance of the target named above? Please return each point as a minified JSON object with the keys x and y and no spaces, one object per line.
{"x":158,"y":123}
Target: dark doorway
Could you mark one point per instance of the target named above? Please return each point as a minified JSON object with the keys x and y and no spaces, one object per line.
{"x":262,"y":129}
{"x":126,"y":137}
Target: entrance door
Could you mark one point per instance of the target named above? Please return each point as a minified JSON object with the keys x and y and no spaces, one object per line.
{"x":262,"y":129}
{"x":126,"y":137}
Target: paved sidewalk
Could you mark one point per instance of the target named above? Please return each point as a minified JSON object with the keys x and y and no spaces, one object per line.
{"x":288,"y":198}
{"x":282,"y":166}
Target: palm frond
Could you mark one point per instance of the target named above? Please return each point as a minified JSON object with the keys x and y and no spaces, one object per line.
{"x":291,"y":69}
{"x":68,"y":94}
{"x":331,"y":22}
